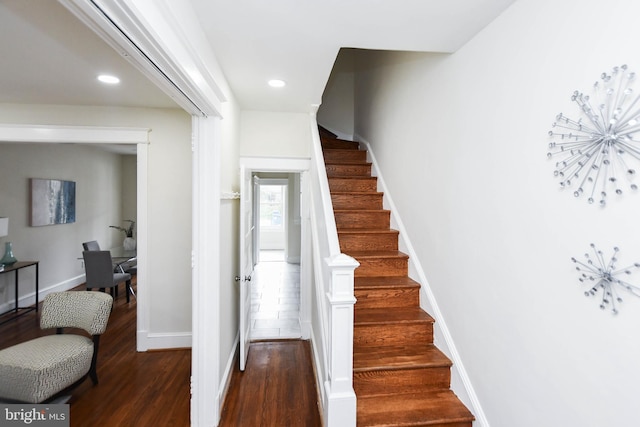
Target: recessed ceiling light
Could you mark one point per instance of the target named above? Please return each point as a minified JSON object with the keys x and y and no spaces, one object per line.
{"x":277,"y":83}
{"x":105,"y":78}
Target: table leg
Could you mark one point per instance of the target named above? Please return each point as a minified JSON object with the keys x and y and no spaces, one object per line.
{"x":37,"y":284}
{"x":16,"y":294}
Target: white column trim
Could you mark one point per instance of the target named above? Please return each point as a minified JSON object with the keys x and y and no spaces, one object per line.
{"x":205,"y":355}
{"x":143,"y":301}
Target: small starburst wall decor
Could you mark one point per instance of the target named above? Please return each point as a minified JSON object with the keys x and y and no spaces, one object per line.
{"x":598,"y":153}
{"x":606,"y":278}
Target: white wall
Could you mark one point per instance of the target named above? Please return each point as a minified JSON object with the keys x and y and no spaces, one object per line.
{"x":229,"y":239}
{"x":337,"y":109}
{"x":98,"y":178}
{"x":462,"y":140}
{"x":169,"y":195}
{"x":268,"y":134}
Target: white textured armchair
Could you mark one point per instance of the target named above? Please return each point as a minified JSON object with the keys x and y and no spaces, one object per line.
{"x":41,"y":369}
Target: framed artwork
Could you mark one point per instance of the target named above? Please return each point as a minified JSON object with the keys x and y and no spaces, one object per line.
{"x":53,"y":201}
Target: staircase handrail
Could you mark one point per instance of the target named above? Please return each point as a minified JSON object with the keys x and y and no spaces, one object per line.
{"x":333,"y":278}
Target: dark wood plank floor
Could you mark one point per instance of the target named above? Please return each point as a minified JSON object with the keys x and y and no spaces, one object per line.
{"x":152,"y":388}
{"x":276,"y":389}
{"x":135,"y":389}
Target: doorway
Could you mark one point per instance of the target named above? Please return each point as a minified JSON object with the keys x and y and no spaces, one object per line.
{"x":275,"y":287}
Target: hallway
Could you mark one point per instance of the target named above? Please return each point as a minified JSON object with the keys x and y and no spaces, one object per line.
{"x":275,"y":298}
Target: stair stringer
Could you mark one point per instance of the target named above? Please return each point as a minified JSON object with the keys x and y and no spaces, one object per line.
{"x":460,"y":381}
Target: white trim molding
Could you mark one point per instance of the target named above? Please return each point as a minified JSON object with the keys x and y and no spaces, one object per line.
{"x":149,"y":37}
{"x":205,"y":356}
{"x":46,"y":134}
{"x":276,"y":164}
{"x":73,"y":134}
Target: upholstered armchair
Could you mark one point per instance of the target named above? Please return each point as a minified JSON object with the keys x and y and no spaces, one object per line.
{"x":44,"y":368}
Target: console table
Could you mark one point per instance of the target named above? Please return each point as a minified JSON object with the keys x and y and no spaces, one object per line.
{"x":16,"y":267}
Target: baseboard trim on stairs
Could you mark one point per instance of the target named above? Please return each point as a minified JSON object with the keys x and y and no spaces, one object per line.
{"x":467,"y":394}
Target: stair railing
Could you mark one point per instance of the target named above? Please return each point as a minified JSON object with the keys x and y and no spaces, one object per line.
{"x":332,"y":321}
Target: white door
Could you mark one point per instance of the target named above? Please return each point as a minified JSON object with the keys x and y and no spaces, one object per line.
{"x":246,"y":262}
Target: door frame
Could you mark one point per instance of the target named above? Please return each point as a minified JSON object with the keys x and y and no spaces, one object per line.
{"x":301,"y":166}
{"x":256,"y":218}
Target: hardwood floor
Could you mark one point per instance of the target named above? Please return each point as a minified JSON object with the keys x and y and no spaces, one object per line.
{"x":152,"y":388}
{"x":277,"y":388}
{"x":135,"y":389}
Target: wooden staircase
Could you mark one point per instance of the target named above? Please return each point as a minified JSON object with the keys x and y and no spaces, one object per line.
{"x":399,"y":376}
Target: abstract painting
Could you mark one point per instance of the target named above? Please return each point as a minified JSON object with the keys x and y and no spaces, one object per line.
{"x":52,"y":202}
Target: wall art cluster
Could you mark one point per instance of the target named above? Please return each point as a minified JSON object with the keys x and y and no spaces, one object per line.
{"x":605,"y":279}
{"x":597,"y":154}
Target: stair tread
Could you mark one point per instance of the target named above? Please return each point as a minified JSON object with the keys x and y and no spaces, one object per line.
{"x":347,"y":211}
{"x":377,"y":316}
{"x":398,"y":357}
{"x":385,"y":282}
{"x":343,"y":193}
{"x":354,"y":177}
{"x":368,"y":231}
{"x":340,"y":149}
{"x":411,"y":409}
{"x":377,"y":254}
{"x":346,"y":162}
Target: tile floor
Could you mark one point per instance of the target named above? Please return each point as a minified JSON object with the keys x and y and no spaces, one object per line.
{"x":275,"y":298}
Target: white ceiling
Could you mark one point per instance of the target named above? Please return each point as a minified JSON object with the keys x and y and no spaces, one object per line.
{"x":298,"y":40}
{"x":48,"y":57}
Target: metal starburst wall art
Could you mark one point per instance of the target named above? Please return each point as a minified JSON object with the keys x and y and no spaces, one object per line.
{"x":606,"y":278}
{"x":597,"y":154}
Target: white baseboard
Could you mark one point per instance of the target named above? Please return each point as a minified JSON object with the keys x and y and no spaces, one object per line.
{"x":225,"y":380}
{"x":305,"y":329}
{"x":150,"y":341}
{"x":319,"y":380}
{"x":30,"y":298}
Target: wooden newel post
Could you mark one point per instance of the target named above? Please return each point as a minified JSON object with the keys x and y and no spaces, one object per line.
{"x":340,"y":408}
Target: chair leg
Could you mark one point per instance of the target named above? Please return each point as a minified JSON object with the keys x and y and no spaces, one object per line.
{"x":93,"y":371}
{"x":128,"y":289}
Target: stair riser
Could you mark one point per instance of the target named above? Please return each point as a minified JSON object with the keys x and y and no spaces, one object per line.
{"x":348,"y":170}
{"x":363,"y":184}
{"x":385,"y":382}
{"x":338,"y":144}
{"x":368,"y":242}
{"x":383,"y":267}
{"x":392,"y":334}
{"x":337,"y":156}
{"x":357,"y":201}
{"x":357,"y":219}
{"x":387,"y":297}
